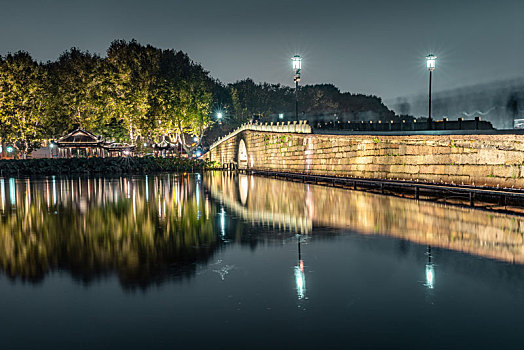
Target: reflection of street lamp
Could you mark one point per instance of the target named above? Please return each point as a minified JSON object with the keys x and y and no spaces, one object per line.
{"x":222,"y":216}
{"x":430,"y":271}
{"x":430,"y":63}
{"x":297,"y":67}
{"x":300,"y":277}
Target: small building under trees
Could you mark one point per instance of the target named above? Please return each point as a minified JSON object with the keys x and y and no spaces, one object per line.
{"x":82,"y":143}
{"x":166,"y":149}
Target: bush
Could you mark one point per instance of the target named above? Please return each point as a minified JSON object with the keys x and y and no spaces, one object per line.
{"x":47,"y":166}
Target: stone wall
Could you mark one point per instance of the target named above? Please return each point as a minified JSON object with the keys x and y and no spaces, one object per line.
{"x":486,"y":159}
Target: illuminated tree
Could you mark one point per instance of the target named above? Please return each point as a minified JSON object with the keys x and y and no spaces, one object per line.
{"x":23,"y":100}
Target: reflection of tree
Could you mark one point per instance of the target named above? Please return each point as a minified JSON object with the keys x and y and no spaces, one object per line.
{"x":143,"y":241}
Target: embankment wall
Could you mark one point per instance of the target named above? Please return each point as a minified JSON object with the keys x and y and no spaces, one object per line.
{"x":485,"y":159}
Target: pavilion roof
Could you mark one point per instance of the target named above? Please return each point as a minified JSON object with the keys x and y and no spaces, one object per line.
{"x":79,"y":137}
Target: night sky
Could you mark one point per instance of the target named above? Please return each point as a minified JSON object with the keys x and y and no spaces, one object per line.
{"x":372,"y":47}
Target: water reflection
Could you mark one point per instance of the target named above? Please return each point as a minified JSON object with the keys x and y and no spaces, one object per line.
{"x":145,"y":230}
{"x":430,"y":271}
{"x":156,"y":228}
{"x":300,"y":277}
{"x":301,"y":207}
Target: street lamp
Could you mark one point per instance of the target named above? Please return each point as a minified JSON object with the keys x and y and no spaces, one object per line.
{"x":430,"y":63}
{"x":219,"y":115}
{"x":297,"y":67}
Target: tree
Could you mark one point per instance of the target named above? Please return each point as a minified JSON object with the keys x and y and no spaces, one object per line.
{"x":77,"y":88}
{"x":23,"y":100}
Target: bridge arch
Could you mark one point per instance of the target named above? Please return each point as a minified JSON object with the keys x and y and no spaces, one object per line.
{"x":242,"y":156}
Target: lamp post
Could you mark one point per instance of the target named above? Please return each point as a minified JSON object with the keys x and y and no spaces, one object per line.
{"x":297,"y":66}
{"x":430,"y":63}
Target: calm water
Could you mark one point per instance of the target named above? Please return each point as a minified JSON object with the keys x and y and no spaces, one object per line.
{"x":223,"y":261}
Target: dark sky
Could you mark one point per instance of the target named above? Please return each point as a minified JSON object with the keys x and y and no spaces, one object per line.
{"x":369,"y":46}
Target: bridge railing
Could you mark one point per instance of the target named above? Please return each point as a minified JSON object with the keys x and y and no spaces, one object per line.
{"x":300,"y":127}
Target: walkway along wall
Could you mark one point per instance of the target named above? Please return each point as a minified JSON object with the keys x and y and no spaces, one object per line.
{"x":481,"y":159}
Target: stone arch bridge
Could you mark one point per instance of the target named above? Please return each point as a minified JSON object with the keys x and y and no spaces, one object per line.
{"x":492,"y":158}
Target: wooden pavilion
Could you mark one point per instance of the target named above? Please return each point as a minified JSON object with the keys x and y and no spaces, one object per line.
{"x":82,"y":143}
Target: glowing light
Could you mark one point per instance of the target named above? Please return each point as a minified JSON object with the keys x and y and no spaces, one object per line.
{"x":222,"y":222}
{"x":300,"y":281}
{"x":219,"y":115}
{"x":195,"y":139}
{"x":10,"y":149}
{"x":54,"y":190}
{"x":297,"y":62}
{"x":431,"y":61}
{"x":2,"y":193}
{"x":281,"y":116}
{"x":430,"y":276}
{"x":12,"y":191}
{"x":145,"y":144}
{"x":147,"y":189}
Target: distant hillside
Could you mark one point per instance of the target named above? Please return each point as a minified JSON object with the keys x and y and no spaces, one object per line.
{"x":322,"y":101}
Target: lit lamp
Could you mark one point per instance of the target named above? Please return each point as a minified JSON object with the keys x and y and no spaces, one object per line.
{"x":297,"y":67}
{"x":430,"y":63}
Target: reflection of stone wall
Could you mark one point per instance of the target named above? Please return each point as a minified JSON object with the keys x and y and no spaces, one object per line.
{"x":468,"y":230}
{"x":469,"y":159}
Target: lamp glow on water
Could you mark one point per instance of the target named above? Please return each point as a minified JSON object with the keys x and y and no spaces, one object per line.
{"x":430,"y":276}
{"x":300,"y":280}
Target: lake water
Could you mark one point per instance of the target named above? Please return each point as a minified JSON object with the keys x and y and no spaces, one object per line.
{"x":217,"y":260}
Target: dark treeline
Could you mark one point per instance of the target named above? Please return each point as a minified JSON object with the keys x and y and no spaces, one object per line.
{"x":144,"y":93}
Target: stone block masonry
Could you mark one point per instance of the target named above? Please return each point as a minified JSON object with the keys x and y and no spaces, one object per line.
{"x":479,"y":160}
